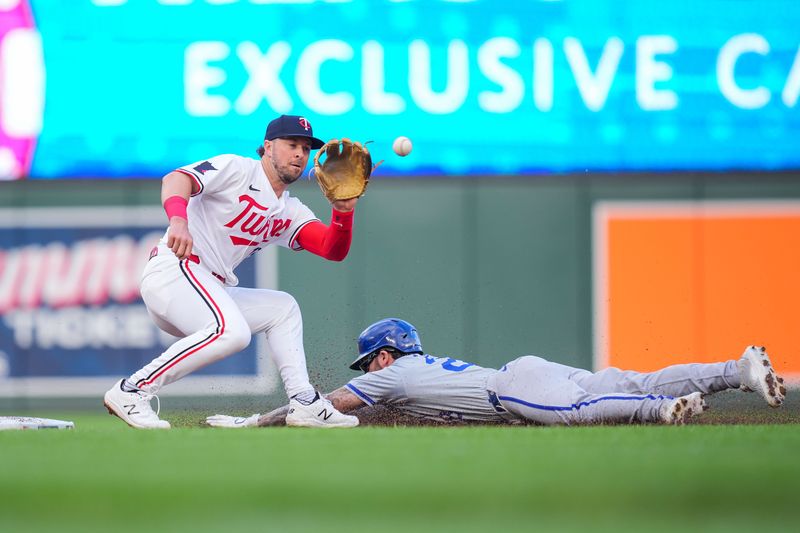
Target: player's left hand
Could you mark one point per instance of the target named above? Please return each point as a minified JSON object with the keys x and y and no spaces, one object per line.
{"x":345,"y":206}
{"x":225,"y":421}
{"x":342,"y":169}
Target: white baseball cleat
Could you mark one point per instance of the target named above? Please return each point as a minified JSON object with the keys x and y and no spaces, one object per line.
{"x":319,"y":414}
{"x":756,"y":374}
{"x":133,"y":407}
{"x":225,"y":421}
{"x":681,"y":410}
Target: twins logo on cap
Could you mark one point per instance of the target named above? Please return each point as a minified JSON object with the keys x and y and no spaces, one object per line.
{"x":291,"y":126}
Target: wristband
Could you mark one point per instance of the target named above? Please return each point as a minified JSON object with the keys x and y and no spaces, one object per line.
{"x":175,"y":206}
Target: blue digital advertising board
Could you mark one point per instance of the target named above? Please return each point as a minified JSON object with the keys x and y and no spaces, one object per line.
{"x":124,"y":88}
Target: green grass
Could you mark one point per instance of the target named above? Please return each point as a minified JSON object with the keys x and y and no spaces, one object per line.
{"x":105,"y":476}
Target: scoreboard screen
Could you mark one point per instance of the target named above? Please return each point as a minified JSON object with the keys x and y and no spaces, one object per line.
{"x":133,"y":89}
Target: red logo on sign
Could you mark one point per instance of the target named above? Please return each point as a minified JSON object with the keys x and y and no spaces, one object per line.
{"x":304,"y":123}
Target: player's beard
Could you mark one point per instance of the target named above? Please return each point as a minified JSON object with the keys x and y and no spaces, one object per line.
{"x":288,"y":179}
{"x":287,"y":174}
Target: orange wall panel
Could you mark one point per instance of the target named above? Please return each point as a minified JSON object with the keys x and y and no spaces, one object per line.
{"x":696,"y":282}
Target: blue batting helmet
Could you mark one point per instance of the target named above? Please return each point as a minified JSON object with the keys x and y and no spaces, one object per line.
{"x":387,"y":333}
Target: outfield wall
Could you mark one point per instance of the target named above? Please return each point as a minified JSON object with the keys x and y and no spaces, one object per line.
{"x":633,"y":270}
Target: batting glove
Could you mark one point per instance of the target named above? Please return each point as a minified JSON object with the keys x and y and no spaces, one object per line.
{"x":225,"y":421}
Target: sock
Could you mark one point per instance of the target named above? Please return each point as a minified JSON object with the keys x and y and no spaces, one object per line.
{"x":306,"y":397}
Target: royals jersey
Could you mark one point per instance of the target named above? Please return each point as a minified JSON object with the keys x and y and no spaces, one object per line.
{"x":430,"y":387}
{"x":235,"y":213}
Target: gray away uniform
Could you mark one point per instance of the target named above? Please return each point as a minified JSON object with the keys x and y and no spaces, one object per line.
{"x":531,"y":388}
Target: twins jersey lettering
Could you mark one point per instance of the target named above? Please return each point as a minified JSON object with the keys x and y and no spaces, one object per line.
{"x":239,"y":214}
{"x":430,"y":387}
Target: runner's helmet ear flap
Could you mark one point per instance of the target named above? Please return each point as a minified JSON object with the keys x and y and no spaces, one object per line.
{"x":387,"y":333}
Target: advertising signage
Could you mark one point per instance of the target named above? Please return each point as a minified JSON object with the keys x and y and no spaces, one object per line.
{"x":72,"y":320}
{"x":116,"y":88}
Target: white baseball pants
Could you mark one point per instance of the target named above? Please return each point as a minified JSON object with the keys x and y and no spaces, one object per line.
{"x":552,"y":393}
{"x":186,"y":300}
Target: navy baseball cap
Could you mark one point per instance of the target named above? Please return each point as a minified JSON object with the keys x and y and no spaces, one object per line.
{"x":292,"y":126}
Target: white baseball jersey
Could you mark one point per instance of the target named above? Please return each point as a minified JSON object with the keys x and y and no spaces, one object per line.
{"x":430,"y":387}
{"x":235,"y":213}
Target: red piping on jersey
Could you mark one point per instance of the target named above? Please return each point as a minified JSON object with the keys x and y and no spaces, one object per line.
{"x":196,"y":181}
{"x":217,"y":335}
{"x":331,"y":242}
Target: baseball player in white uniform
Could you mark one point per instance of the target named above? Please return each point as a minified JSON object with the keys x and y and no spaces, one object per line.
{"x":221,"y":211}
{"x":398,"y":374}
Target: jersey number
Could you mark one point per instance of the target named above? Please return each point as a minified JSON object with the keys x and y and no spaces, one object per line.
{"x":453,"y":365}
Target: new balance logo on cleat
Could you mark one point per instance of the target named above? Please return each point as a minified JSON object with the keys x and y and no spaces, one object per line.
{"x":133,"y":407}
{"x":318,"y":414}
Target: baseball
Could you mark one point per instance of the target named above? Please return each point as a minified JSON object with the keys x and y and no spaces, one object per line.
{"x":402,"y":146}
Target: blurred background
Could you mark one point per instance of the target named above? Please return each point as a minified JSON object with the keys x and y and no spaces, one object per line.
{"x":597,"y":182}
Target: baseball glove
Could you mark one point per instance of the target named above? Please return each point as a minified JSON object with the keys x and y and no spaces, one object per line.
{"x":342,"y":169}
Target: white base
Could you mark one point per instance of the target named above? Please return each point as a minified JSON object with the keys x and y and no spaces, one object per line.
{"x":27,"y":422}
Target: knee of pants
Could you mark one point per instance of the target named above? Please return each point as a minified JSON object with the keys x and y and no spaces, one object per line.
{"x":542,"y":416}
{"x":236,"y":337}
{"x":288,"y":304}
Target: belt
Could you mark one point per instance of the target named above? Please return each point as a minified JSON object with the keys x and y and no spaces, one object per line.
{"x":193,"y":258}
{"x":501,"y":411}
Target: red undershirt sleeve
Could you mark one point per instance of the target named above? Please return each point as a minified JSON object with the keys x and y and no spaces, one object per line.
{"x":331,"y":242}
